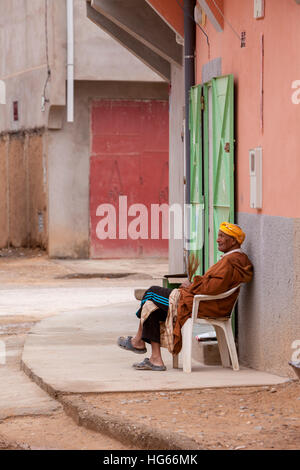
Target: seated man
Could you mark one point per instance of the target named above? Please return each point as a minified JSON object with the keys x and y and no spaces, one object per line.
{"x":160,"y":305}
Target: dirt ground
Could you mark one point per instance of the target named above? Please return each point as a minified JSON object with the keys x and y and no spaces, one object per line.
{"x":255,"y":418}
{"x":231,"y":418}
{"x":28,"y":266}
{"x":55,"y":432}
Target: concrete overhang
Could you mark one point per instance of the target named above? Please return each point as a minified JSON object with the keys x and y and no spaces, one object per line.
{"x":171,"y":12}
{"x":158,"y":64}
{"x":140,"y":21}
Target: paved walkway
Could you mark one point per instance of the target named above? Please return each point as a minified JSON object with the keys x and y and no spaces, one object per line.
{"x":76,"y":352}
{"x":19,"y":396}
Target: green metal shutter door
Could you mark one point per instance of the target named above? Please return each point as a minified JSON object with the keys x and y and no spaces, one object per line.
{"x":196,"y":191}
{"x":222,"y":159}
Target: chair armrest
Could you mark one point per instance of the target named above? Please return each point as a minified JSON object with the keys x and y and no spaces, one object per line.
{"x":217,"y":296}
{"x":200,"y":297}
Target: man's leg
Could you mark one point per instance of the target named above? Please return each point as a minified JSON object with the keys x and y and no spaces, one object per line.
{"x":160,"y":297}
{"x":135,"y":344}
{"x":156,"y":358}
{"x":137,"y":341}
{"x":151,"y":334}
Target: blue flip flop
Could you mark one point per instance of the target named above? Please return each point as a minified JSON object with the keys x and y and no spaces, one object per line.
{"x":125,"y":343}
{"x":147,"y":365}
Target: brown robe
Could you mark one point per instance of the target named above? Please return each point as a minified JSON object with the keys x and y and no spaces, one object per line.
{"x":229,"y":272}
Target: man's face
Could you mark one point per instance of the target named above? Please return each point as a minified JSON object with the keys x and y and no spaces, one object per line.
{"x":226,"y":242}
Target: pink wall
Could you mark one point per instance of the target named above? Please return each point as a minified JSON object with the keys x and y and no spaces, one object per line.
{"x":280,"y":137}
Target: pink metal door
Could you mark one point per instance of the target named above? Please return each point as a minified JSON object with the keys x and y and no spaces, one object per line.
{"x":128,"y":175}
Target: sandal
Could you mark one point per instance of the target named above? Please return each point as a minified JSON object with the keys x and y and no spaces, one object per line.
{"x":125,"y":343}
{"x":147,"y":365}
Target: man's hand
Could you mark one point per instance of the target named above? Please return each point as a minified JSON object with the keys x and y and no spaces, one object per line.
{"x":186,"y":283}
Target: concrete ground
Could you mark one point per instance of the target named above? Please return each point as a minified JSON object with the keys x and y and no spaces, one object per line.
{"x":75,"y":317}
{"x":76,"y":352}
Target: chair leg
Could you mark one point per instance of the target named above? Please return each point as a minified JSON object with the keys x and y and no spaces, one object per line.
{"x":231,"y":346}
{"x":222,"y":343}
{"x":187,"y":331}
{"x":175,"y":361}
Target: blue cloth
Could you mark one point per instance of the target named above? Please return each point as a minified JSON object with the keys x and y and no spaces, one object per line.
{"x":158,"y":295}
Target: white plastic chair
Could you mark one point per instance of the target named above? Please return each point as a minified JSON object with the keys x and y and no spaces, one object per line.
{"x":223,"y":328}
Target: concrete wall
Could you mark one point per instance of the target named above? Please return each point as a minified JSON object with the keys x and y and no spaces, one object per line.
{"x":23,"y":173}
{"x":99,"y":57}
{"x":24,"y":41}
{"x":68,"y":163}
{"x":37,"y":184}
{"x":4,"y":230}
{"x":17,"y":191}
{"x":269,"y":306}
{"x":22,"y":61}
{"x":28,"y":47}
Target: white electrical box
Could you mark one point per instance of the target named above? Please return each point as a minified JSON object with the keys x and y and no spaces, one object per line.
{"x":259,"y":9}
{"x":255,"y":166}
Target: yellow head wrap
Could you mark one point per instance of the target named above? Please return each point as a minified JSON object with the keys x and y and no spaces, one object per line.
{"x":234,"y":231}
